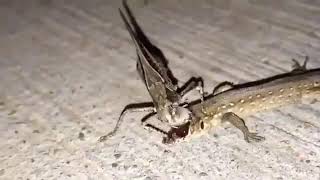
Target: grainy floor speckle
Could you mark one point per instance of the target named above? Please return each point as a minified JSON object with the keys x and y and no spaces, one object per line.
{"x":67,"y":68}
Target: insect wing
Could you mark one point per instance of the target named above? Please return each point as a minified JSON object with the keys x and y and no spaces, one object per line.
{"x":153,"y":54}
{"x":145,"y":70}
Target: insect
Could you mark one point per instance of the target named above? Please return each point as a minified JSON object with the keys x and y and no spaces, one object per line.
{"x":242,"y":100}
{"x":153,"y":69}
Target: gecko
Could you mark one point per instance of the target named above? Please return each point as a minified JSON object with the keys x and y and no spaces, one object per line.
{"x":242,"y":100}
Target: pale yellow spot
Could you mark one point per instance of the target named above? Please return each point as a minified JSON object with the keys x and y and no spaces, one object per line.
{"x":203,"y":110}
{"x":242,"y":100}
{"x":270,"y":92}
{"x":291,"y":88}
{"x":264,"y":99}
{"x":224,"y":106}
{"x":258,"y":95}
{"x":240,"y":109}
{"x":281,"y":90}
{"x":280,"y":96}
{"x":231,"y":104}
{"x":250,"y":97}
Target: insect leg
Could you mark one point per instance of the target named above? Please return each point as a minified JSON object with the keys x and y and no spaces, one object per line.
{"x":128,"y":109}
{"x":239,"y":123}
{"x":146,"y":117}
{"x":154,"y":128}
{"x":297,"y":67}
{"x":150,"y":126}
{"x":222,"y":84}
{"x":192,"y":83}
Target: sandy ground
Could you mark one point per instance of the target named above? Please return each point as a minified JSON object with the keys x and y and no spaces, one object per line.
{"x":67,"y":68}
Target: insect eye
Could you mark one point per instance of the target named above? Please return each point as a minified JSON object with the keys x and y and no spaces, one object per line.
{"x":202,"y":125}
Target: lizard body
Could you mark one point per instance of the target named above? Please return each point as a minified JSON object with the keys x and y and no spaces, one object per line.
{"x":246,"y":99}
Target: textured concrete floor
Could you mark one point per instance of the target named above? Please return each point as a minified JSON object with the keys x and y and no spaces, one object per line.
{"x":67,"y":68}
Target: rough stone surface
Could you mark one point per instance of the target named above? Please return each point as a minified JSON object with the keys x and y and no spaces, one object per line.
{"x":67,"y":68}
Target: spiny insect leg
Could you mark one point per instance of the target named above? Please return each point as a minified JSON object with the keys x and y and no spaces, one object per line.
{"x":146,"y":117}
{"x":154,"y":128}
{"x":150,"y":126}
{"x":128,"y":109}
{"x":222,"y":84}
{"x":192,"y":83}
{"x":297,"y":67}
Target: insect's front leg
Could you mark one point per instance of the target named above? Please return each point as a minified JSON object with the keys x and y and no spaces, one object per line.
{"x":297,"y":67}
{"x":222,"y":84}
{"x":150,"y":126}
{"x":192,"y":83}
{"x":239,"y":123}
{"x":154,"y":128}
{"x":128,"y":109}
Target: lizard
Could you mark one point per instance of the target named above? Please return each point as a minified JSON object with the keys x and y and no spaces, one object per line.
{"x":242,"y":100}
{"x":152,"y":67}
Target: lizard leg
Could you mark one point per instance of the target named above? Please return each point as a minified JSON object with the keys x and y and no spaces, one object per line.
{"x":222,"y":84}
{"x":192,"y":83}
{"x":128,"y":109}
{"x":297,"y":67}
{"x":239,"y":123}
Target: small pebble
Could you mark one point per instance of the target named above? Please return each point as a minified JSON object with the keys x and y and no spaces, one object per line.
{"x":117,"y":156}
{"x":2,"y":171}
{"x":12,"y":112}
{"x":114,"y":165}
{"x":36,"y":131}
{"x":203,"y":174}
{"x":81,"y":136}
